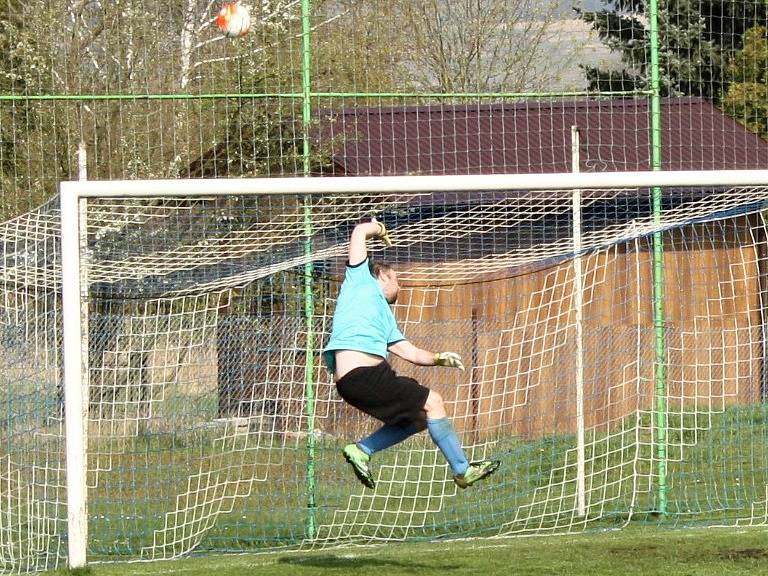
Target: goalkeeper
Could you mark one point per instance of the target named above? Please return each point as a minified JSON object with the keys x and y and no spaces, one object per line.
{"x":364,"y":331}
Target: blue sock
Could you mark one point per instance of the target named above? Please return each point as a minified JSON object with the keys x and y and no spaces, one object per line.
{"x":445,"y":437}
{"x":386,"y":436}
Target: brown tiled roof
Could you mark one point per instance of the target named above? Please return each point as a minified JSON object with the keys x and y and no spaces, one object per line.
{"x":535,"y":137}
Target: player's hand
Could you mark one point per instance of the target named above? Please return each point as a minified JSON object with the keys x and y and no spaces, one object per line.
{"x":450,"y":359}
{"x":383,"y":234}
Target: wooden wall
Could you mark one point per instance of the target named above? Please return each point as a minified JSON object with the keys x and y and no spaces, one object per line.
{"x":517,"y":335}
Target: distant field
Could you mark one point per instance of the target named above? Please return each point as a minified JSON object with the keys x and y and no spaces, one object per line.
{"x":642,"y":551}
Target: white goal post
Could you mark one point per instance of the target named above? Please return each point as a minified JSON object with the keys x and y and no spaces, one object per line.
{"x":74,"y":273}
{"x":403,"y":184}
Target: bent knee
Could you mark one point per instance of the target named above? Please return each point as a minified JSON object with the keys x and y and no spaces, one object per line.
{"x":434,"y":406}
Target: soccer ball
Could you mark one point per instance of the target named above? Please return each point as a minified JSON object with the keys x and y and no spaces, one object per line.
{"x":234,"y":20}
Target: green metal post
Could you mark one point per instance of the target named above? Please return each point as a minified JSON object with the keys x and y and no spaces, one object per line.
{"x":303,"y":94}
{"x":659,"y":321}
{"x":309,"y":303}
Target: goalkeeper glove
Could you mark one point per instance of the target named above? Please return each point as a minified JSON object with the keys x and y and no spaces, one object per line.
{"x":450,"y":359}
{"x":383,"y":234}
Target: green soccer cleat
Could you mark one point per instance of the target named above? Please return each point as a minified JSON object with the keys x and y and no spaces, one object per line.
{"x":476,"y":471}
{"x":359,"y":461}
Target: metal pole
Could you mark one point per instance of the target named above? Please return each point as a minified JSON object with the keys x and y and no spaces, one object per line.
{"x":75,"y":405}
{"x":564,"y":181}
{"x":659,"y":322}
{"x":301,"y":95}
{"x":578,"y":299}
{"x":309,"y":304}
{"x":82,"y":162}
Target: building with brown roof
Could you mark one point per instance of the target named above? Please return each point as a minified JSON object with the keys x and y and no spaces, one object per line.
{"x":713,"y":276}
{"x":516,"y":328}
{"x":534,"y":137}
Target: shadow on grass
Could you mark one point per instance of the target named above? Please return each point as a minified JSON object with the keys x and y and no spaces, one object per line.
{"x":350,"y":561}
{"x":745,"y":554}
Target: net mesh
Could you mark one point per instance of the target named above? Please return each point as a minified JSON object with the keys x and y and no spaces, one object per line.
{"x":197,"y":330}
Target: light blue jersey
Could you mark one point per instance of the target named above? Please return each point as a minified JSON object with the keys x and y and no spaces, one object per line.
{"x":363,"y":320}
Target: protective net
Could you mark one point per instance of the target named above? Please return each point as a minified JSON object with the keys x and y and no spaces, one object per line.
{"x":211,"y":427}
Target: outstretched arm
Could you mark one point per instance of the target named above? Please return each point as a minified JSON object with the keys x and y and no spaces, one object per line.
{"x":415,"y":355}
{"x":357,"y":248}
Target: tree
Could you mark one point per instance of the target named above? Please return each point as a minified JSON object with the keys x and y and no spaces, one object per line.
{"x":24,"y":125}
{"x":483,"y":45}
{"x":726,"y":21}
{"x":747,"y":96}
{"x":359,"y":47}
{"x":438,"y":45}
{"x":133,"y":48}
{"x":691,"y":47}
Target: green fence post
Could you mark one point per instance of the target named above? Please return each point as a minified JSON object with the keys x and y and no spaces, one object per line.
{"x":309,"y":303}
{"x":659,"y":322}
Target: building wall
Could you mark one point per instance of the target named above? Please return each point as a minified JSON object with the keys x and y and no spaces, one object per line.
{"x":518,"y":337}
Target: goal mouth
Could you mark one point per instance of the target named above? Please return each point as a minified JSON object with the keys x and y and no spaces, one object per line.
{"x":613,"y":336}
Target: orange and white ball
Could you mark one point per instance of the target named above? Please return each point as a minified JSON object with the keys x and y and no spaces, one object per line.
{"x":234,"y":20}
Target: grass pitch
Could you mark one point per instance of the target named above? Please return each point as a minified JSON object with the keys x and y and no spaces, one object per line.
{"x":641,"y":551}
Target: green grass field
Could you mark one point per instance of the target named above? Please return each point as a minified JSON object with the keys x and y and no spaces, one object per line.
{"x":645,"y":551}
{"x":721,"y":474}
{"x":718,"y":473}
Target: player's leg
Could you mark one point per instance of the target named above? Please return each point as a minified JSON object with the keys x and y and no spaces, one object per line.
{"x":443,"y":435}
{"x":389,"y":435}
{"x":359,"y":461}
{"x":359,"y":454}
{"x":441,"y":430}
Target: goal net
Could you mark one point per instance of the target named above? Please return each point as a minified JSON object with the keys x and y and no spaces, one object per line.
{"x":614,"y":335}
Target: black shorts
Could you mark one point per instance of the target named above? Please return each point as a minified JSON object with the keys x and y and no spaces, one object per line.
{"x":380,"y":392}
